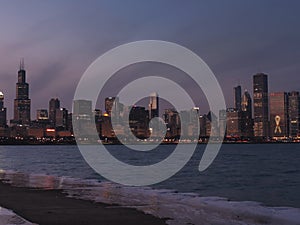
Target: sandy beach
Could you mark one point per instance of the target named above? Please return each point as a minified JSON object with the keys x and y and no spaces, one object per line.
{"x":52,"y":207}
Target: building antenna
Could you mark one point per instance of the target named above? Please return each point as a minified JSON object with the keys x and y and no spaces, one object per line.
{"x":22,"y":64}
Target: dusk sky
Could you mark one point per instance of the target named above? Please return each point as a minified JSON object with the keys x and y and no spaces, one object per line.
{"x":60,"y":39}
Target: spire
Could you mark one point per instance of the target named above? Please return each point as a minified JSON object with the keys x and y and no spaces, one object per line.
{"x":22,"y":64}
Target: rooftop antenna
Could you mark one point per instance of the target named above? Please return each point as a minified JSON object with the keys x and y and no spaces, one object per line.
{"x":22,"y":64}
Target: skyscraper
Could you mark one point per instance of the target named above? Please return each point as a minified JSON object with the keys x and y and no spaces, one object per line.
{"x":238,"y":98}
{"x":42,"y":114}
{"x":22,"y":101}
{"x":54,"y":104}
{"x":153,"y":105}
{"x":222,"y":121}
{"x":172,"y":120}
{"x":294,"y":114}
{"x":83,"y":108}
{"x":83,"y":118}
{"x":261,"y":105}
{"x":233,"y":126}
{"x":203,"y":120}
{"x":279,"y":115}
{"x":61,"y":119}
{"x":189,"y":121}
{"x":113,"y":107}
{"x":109,"y":102}
{"x":138,"y":121}
{"x":3,"y":122}
{"x":247,"y":121}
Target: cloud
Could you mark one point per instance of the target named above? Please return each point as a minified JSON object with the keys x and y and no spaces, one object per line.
{"x":60,"y":39}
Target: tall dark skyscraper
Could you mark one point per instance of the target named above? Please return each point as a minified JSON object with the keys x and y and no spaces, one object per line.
{"x":61,"y":119}
{"x":247,"y":121}
{"x":238,"y":98}
{"x":54,"y":104}
{"x":22,"y":101}
{"x":138,"y":121}
{"x":3,"y":122}
{"x":153,"y":105}
{"x":294,"y":114}
{"x":261,"y":105}
{"x":279,"y":115}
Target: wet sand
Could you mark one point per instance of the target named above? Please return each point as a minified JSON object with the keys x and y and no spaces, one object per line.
{"x":52,"y":207}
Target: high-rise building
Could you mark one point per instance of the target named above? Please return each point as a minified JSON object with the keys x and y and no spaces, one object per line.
{"x":222,"y":121}
{"x":113,"y":107}
{"x":69,"y":123}
{"x":153,"y":105}
{"x":279,"y":115}
{"x":203,"y":120}
{"x":172,"y":120}
{"x":247,"y":103}
{"x":246,"y":113}
{"x":83,"y":118}
{"x":261,"y":105}
{"x":139,"y":121}
{"x":82,"y":108}
{"x":190,"y":123}
{"x":54,"y":104}
{"x":61,"y":119}
{"x":294,"y":114}
{"x":212,"y":127}
{"x":42,"y":114}
{"x":3,"y":122}
{"x":22,"y":101}
{"x":109,"y":102}
{"x":238,"y":97}
{"x":98,"y":117}
{"x":233,"y":128}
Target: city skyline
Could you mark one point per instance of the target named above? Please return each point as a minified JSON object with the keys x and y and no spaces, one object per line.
{"x":260,"y":83}
{"x":58,"y":48}
{"x":235,"y":102}
{"x":273,"y":115}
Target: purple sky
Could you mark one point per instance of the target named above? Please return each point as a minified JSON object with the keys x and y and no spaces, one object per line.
{"x":60,"y":39}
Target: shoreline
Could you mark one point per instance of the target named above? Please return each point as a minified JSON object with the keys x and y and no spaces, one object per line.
{"x":50,"y":200}
{"x":141,"y":143}
{"x":53,"y":207}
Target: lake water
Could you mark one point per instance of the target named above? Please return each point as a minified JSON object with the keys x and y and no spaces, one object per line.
{"x":267,"y":173}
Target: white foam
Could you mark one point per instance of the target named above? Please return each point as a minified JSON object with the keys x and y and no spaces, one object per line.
{"x":8,"y":217}
{"x":181,"y":208}
{"x":189,"y":209}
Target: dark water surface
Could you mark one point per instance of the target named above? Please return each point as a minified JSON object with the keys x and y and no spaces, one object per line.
{"x":267,"y":173}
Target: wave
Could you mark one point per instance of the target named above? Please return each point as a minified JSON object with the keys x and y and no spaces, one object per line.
{"x":179,"y":208}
